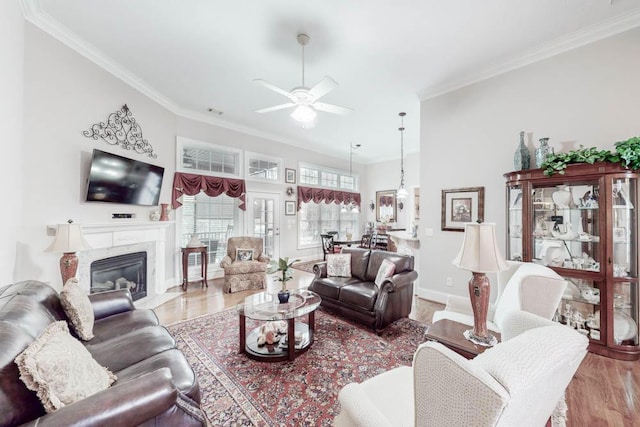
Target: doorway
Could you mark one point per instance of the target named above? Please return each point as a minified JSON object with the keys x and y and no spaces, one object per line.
{"x":263,"y":214}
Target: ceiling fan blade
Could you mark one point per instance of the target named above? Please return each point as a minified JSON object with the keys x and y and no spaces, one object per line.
{"x":274,"y":88}
{"x":276,"y":108}
{"x":330,"y":108}
{"x":325,"y":86}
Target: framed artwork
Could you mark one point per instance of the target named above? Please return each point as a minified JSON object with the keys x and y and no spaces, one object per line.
{"x":290,"y":176}
{"x":289,"y":207}
{"x":461,"y":205}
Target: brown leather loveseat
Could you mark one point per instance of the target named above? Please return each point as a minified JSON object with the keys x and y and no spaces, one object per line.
{"x":358,"y":297}
{"x":155,"y":385}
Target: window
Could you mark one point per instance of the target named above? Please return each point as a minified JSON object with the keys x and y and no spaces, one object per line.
{"x":261,"y":167}
{"x":212,"y":219}
{"x":321,"y":176}
{"x":208,"y":159}
{"x":318,"y":218}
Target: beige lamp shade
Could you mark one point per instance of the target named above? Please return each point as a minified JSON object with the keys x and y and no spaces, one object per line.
{"x":69,"y":238}
{"x":479,"y":252}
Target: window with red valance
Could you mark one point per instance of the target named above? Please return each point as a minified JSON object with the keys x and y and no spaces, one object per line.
{"x":317,"y":195}
{"x":213,"y":186}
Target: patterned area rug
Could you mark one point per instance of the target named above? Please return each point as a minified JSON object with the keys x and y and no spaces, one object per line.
{"x":306,"y":266}
{"x":239,"y":391}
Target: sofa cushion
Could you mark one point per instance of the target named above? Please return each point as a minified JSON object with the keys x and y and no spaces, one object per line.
{"x":118,"y":353}
{"x":360,"y":294}
{"x":78,"y":309}
{"x":183,"y":376}
{"x":329,"y":287}
{"x":339,"y":265}
{"x":243,"y":267}
{"x":122,"y":324}
{"x":60,"y":370}
{"x":359,"y":261}
{"x":402,"y":263}
{"x":386,"y":270}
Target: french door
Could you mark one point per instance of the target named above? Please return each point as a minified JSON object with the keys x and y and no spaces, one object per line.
{"x":263,"y":220}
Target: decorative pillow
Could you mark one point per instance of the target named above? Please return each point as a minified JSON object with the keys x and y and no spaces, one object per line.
{"x":60,"y":370}
{"x":77,"y":307}
{"x":387,"y":268}
{"x":244,"y":254}
{"x":339,"y":265}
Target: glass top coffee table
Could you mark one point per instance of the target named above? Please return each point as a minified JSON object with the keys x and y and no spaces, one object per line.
{"x":265,"y":308}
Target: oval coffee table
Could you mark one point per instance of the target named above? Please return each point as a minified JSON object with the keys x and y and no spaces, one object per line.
{"x":266,"y":307}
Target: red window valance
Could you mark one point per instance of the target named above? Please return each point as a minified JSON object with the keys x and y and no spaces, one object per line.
{"x":317,"y":195}
{"x":191,"y":184}
{"x":386,"y":200}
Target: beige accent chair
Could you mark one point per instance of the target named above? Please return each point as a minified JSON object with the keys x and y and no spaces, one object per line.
{"x":243,"y":275}
{"x":519,"y":382}
{"x":524,"y":286}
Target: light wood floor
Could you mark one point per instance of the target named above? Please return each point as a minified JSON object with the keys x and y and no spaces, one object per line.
{"x":604,"y":392}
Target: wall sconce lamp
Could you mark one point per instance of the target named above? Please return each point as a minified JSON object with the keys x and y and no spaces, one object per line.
{"x":372,"y":206}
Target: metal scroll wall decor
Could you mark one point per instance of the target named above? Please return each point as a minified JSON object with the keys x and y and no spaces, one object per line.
{"x":121,"y":129}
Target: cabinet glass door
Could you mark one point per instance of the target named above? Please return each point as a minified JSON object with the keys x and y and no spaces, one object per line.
{"x":625,"y":261}
{"x":566,"y":226}
{"x":514,"y":233}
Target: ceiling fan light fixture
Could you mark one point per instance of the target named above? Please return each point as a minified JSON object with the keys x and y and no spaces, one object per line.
{"x":304,"y":114}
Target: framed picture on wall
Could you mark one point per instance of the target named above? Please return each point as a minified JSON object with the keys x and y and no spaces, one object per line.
{"x":290,"y":176}
{"x":461,"y":205}
{"x":289,"y":207}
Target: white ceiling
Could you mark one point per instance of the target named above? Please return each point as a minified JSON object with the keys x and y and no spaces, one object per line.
{"x":191,"y":55}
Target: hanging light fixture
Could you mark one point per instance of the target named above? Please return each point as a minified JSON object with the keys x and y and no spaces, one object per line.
{"x":345,"y":206}
{"x":402,"y":193}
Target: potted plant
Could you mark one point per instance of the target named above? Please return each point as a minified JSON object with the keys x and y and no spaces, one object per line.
{"x":283,"y":266}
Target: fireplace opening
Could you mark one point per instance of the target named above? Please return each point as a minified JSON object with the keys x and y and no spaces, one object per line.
{"x":128,"y":271}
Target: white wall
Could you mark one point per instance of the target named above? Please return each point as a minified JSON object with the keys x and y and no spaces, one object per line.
{"x":588,"y":96}
{"x":11,"y":100}
{"x":64,"y":94}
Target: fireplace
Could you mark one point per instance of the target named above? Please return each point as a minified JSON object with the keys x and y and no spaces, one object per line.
{"x":127,"y":271}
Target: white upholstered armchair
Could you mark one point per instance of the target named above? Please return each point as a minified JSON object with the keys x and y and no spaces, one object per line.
{"x":524,"y":286}
{"x":518,"y":382}
{"x":245,"y":266}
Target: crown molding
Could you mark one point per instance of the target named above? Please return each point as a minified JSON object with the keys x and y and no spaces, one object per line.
{"x":560,"y":45}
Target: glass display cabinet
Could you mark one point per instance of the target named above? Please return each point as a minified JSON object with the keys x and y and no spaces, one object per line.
{"x":584,"y":225}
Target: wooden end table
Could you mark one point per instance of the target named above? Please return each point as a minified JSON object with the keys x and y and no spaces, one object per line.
{"x":203,"y":266}
{"x":449,"y":333}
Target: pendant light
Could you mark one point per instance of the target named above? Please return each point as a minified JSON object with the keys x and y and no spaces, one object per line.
{"x":354,"y":208}
{"x":402,"y":193}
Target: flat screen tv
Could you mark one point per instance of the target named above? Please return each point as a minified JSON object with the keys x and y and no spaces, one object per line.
{"x":117,"y":179}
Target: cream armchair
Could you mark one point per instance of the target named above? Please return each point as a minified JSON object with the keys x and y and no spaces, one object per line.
{"x":242,"y":274}
{"x":524,"y":286}
{"x":518,"y":382}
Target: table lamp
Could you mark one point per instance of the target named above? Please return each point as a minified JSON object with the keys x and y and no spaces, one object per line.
{"x":68,"y":240}
{"x":479,"y":254}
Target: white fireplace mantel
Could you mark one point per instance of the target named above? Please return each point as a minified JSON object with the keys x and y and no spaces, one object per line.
{"x":117,"y":238}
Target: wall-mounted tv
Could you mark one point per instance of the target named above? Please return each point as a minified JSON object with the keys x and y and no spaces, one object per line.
{"x":117,"y":179}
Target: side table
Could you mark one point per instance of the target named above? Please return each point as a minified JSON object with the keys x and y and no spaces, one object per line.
{"x":449,"y":333}
{"x":203,"y":267}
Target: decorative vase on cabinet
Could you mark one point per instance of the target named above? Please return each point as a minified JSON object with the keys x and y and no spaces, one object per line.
{"x":543,"y":151}
{"x":522,"y":158}
{"x":572,"y":224}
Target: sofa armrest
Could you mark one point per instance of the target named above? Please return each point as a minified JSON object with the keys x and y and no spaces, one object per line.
{"x":263,"y":258}
{"x":108,"y":303}
{"x":399,"y":281}
{"x":127,"y":404}
{"x":226,"y":261}
{"x":320,"y":269}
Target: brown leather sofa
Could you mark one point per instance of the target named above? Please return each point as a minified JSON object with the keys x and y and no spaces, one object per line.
{"x":358,"y":297}
{"x":155,"y":385}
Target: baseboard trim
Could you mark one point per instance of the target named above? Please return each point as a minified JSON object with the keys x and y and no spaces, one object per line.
{"x":436,"y":296}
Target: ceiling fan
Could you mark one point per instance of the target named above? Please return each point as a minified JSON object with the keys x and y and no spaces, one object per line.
{"x":304,"y":99}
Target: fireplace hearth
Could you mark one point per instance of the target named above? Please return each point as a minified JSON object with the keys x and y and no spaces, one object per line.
{"x":128,"y":271}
